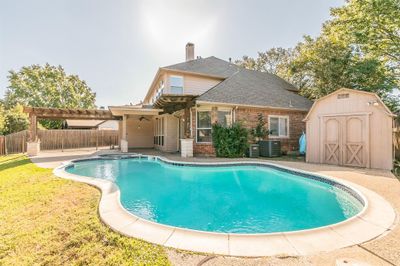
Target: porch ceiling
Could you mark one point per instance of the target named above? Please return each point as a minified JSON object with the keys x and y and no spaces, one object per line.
{"x":133,"y":110}
{"x":174,"y":102}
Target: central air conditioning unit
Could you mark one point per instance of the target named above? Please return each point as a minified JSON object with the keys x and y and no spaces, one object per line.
{"x":270,"y":148}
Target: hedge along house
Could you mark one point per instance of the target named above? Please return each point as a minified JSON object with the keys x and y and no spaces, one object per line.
{"x":185,"y":99}
{"x":350,"y":128}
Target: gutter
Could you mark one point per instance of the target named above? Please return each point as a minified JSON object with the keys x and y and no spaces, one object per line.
{"x":250,"y":106}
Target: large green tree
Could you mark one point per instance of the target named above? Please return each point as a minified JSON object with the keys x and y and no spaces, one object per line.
{"x":374,"y":25}
{"x":359,"y":48}
{"x":13,"y":120}
{"x":47,"y":86}
{"x":328,"y":64}
{"x":276,"y":61}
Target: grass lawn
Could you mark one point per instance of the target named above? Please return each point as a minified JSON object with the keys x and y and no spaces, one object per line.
{"x":52,"y":221}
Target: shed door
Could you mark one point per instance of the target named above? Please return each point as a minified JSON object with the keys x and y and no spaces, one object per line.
{"x":332,"y":140}
{"x":354,"y":141}
{"x":344,"y":140}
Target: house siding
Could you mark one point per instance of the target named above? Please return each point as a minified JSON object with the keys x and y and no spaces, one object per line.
{"x":198,"y":85}
{"x":248,"y":117}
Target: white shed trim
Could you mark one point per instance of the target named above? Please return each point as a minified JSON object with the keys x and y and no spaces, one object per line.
{"x":388,"y":112}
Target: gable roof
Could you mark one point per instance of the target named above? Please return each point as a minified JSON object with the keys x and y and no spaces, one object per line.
{"x":387,"y":110}
{"x":254,"y":88}
{"x":210,"y":66}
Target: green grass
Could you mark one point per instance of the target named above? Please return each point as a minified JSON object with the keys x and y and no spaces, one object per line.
{"x":46,"y":220}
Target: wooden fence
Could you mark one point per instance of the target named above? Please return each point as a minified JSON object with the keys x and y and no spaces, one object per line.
{"x":16,"y":142}
{"x":396,"y":140}
{"x":73,"y":139}
{"x":60,"y":140}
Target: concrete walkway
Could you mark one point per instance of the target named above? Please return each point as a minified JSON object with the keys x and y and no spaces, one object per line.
{"x":381,"y":251}
{"x":52,"y":159}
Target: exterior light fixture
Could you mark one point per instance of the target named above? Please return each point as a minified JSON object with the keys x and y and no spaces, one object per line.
{"x":374,"y":103}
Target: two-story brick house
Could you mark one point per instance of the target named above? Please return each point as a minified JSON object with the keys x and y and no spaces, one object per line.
{"x":185,"y":99}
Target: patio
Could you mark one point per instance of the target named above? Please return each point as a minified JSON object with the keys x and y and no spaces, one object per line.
{"x":380,"y":251}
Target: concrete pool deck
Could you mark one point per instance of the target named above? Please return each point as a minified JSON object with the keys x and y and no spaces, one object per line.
{"x":381,"y":251}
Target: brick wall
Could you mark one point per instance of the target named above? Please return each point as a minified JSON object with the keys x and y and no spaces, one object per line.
{"x":248,"y":117}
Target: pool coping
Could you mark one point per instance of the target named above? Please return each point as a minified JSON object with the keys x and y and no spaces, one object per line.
{"x":377,"y":218}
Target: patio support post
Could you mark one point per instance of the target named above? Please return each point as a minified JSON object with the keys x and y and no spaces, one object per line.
{"x":187,"y":142}
{"x":187,"y":123}
{"x":33,"y":144}
{"x":124,"y":141}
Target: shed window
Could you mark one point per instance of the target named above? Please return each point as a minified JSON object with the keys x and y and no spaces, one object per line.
{"x":279,"y":126}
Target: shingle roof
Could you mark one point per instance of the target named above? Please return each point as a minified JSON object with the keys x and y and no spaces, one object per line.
{"x":249,"y":87}
{"x":209,"y":66}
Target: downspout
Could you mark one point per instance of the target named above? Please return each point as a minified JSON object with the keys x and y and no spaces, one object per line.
{"x":234,"y":113}
{"x":190,"y":123}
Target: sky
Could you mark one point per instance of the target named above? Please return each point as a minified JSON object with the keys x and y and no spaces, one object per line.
{"x":117,"y":46}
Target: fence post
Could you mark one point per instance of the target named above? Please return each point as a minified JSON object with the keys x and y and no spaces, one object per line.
{"x":5,"y":145}
{"x":97,"y":140}
{"x":23,"y":144}
{"x":62,"y":141}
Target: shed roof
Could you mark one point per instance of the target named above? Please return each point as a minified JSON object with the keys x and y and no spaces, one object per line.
{"x":387,"y":110}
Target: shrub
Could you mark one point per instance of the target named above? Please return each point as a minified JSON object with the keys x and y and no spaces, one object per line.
{"x":260,"y":132}
{"x":230,"y":141}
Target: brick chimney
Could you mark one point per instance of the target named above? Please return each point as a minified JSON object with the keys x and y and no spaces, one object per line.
{"x":189,"y":51}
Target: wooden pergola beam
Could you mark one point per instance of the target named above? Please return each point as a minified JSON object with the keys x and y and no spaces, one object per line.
{"x":59,"y":113}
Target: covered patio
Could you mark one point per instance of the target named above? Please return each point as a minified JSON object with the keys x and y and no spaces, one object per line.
{"x":36,"y":113}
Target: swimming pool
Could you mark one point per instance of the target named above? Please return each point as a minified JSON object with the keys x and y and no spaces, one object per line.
{"x":244,"y":198}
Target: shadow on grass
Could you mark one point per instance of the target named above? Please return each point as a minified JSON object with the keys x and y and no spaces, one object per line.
{"x":13,"y":163}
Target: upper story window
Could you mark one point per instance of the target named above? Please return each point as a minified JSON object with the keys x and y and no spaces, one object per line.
{"x":278,"y":126}
{"x":176,"y":84}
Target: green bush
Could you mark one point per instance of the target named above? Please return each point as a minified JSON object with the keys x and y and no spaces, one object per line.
{"x":230,"y":141}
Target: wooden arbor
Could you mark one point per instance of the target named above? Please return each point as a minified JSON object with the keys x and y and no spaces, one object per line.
{"x":59,"y":113}
{"x":171,"y":103}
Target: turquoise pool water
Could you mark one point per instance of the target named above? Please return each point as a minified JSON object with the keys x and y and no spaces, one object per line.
{"x":230,"y":199}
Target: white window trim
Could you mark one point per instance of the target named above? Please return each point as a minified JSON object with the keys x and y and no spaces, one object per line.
{"x":202,"y":109}
{"x":176,"y":76}
{"x":226,"y":109}
{"x":288,"y":128}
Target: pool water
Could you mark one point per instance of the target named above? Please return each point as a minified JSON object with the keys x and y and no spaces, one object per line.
{"x":229,"y":199}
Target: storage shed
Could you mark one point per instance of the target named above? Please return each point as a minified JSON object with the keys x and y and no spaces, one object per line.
{"x":350,"y":128}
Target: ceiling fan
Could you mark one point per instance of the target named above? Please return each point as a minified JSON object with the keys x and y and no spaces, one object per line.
{"x":143,"y":118}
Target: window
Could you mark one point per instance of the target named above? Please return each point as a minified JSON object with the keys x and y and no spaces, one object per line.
{"x":224,"y":117}
{"x":279,"y":126}
{"x":159,"y":131}
{"x":204,"y":126}
{"x":176,"y":84}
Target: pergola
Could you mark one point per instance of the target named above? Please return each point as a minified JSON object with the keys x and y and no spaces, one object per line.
{"x":63,"y":113}
{"x":173,"y":102}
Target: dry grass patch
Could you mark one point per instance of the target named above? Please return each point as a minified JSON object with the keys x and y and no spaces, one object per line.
{"x":51,"y":221}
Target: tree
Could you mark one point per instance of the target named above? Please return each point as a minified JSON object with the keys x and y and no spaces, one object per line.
{"x":328,"y":65}
{"x":259,"y":132}
{"x":358,"y":48}
{"x":47,"y":86}
{"x":374,"y":25}
{"x":2,"y":119}
{"x":15,"y":120}
{"x":276,"y":61}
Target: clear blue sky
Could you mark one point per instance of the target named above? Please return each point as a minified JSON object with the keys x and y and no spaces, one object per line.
{"x":117,"y":46}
